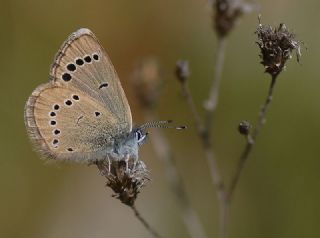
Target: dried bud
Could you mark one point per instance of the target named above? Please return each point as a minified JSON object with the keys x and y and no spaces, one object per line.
{"x":182,"y":70}
{"x":276,"y":46}
{"x":146,"y":82}
{"x":227,"y":13}
{"x":126,"y":178}
{"x":244,"y":128}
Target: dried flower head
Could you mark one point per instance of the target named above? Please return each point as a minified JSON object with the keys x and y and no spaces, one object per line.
{"x":125,"y":178}
{"x":146,"y":82}
{"x":276,"y":46}
{"x":227,"y":14}
{"x":244,"y":127}
{"x":182,"y":70}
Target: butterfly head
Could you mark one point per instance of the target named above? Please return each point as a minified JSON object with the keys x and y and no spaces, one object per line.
{"x":139,"y":134}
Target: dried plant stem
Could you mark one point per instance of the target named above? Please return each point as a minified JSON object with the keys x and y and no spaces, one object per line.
{"x":144,"y":222}
{"x":196,"y":117}
{"x":251,"y":140}
{"x":263,"y":112}
{"x":204,"y":132}
{"x":210,"y":107}
{"x":213,"y":167}
{"x":163,"y":152}
{"x":212,"y":101}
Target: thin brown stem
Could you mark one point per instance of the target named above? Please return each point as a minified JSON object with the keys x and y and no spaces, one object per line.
{"x":163,"y":152}
{"x":210,"y":107}
{"x":145,"y":223}
{"x":241,"y":162}
{"x":212,"y":101}
{"x":196,"y":117}
{"x":211,"y":161}
{"x":204,"y":132}
{"x":213,"y":167}
{"x":224,"y":218}
{"x":263,"y":112}
{"x":251,"y":140}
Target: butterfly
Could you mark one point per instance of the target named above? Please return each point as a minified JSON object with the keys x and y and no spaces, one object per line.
{"x":82,"y":113}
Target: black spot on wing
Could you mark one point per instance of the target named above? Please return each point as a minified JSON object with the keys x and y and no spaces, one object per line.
{"x":103,"y":85}
{"x":71,"y":67}
{"x":66,"y":77}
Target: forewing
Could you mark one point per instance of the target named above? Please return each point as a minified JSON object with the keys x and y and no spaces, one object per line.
{"x":83,"y":63}
{"x":75,"y":115}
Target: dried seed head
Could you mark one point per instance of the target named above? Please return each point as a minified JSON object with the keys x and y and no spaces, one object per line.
{"x":227,"y":14}
{"x":182,"y":70}
{"x":146,"y":82}
{"x":244,"y":127}
{"x":276,"y":46}
{"x":125,"y":178}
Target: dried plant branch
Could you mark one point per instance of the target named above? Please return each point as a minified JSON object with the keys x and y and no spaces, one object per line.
{"x":182,"y":73}
{"x":212,"y":101}
{"x":227,"y":13}
{"x":153,"y":232}
{"x":251,"y":140}
{"x":276,"y":46}
{"x":146,"y":79}
{"x":126,"y":178}
{"x":163,"y":152}
{"x":202,"y":133}
{"x":264,"y":108}
{"x":196,"y":117}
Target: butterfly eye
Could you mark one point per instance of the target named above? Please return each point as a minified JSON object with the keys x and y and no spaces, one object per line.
{"x":139,"y":135}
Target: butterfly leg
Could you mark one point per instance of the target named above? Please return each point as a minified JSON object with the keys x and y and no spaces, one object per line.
{"x":134,"y":165}
{"x":135,"y":162}
{"x":127,"y":163}
{"x":109,"y":165}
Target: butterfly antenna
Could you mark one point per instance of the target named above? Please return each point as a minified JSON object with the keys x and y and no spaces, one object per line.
{"x":161,"y":124}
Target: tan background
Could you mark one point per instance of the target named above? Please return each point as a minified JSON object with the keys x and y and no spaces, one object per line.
{"x":279,"y":193}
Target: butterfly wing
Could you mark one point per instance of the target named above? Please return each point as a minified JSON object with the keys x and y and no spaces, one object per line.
{"x":75,"y":115}
{"x":83,"y":63}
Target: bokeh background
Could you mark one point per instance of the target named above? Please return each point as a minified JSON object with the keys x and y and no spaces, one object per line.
{"x":279,"y":192}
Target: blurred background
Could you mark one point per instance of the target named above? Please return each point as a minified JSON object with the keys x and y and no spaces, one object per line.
{"x":278,"y":194}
